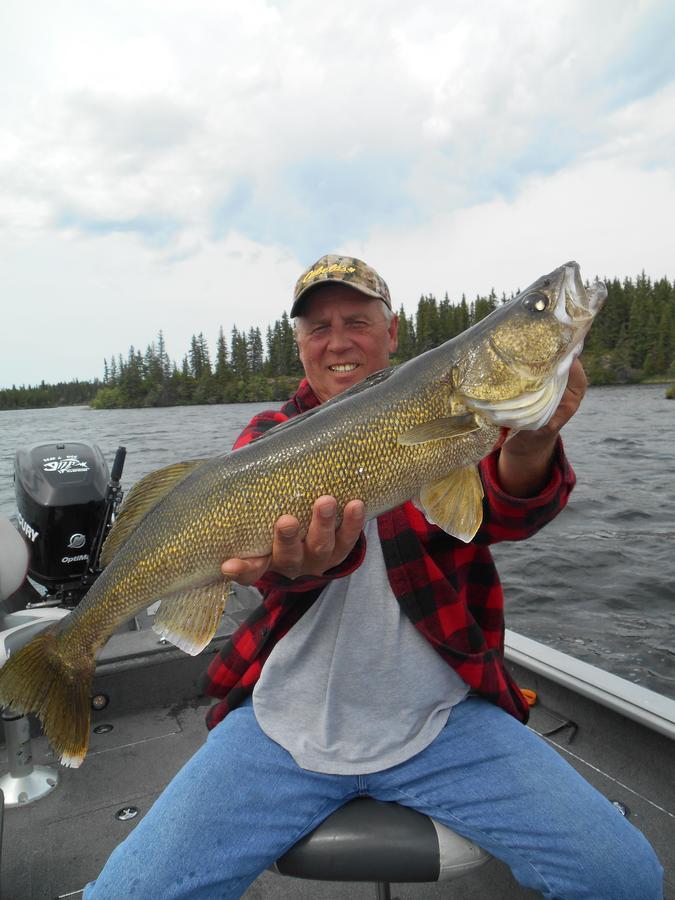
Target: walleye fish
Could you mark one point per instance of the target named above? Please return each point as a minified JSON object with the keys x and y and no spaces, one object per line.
{"x":413,"y":431}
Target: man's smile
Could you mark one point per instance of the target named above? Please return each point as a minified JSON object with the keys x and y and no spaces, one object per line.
{"x":343,"y":367}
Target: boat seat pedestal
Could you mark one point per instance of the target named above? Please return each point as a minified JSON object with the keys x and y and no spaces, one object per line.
{"x":25,"y":782}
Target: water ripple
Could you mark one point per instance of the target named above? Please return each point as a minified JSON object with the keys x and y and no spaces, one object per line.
{"x":598,"y":582}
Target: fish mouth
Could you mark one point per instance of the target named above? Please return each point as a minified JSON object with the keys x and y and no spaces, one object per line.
{"x":576,"y":308}
{"x":577,"y":305}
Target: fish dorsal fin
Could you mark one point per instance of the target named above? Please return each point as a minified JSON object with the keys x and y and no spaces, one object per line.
{"x":455,"y":502}
{"x":189,"y":618}
{"x":371,"y":381}
{"x":142,"y":497}
{"x":438,"y":429}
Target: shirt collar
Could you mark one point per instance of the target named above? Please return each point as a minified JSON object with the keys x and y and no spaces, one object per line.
{"x":305,"y":398}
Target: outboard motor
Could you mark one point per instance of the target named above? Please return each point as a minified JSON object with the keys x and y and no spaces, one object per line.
{"x":65,"y":506}
{"x":65,"y":502}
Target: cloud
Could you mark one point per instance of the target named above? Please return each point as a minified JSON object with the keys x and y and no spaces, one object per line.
{"x":641,"y":61}
{"x":158,"y":231}
{"x":173,"y":152}
{"x":315,"y":203}
{"x":611,"y":217}
{"x":134,"y":127}
{"x":446,"y":104}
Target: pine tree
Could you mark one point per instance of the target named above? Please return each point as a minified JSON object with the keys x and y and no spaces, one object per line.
{"x":222,"y":364}
{"x":463,"y":318}
{"x":289,"y":359}
{"x":427,"y":323}
{"x":163,"y":357}
{"x":255,"y":351}
{"x":239,"y":355}
{"x":406,"y":336}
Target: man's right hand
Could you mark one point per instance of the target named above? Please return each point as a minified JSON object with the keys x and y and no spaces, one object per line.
{"x":323,"y":547}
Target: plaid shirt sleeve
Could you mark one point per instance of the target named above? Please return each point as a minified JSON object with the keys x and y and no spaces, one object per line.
{"x":507,"y":518}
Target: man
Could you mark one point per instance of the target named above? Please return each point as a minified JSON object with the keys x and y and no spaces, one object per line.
{"x":374,"y":666}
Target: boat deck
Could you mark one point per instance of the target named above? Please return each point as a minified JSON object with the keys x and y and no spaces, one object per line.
{"x":53,"y":847}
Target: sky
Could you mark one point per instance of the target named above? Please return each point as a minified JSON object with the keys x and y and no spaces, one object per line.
{"x":176,"y":164}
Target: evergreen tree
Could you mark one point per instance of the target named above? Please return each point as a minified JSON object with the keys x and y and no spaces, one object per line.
{"x":290,"y":361}
{"x":447,"y":320}
{"x":633,"y":337}
{"x":272,"y":342}
{"x":163,"y":357}
{"x":255,"y":351}
{"x":406,"y":336}
{"x":483,"y":306}
{"x":427,"y":324}
{"x":463,"y":317}
{"x":222,"y":364}
{"x":239,"y":355}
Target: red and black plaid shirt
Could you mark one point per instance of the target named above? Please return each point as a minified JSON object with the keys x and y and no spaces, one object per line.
{"x":449,"y":590}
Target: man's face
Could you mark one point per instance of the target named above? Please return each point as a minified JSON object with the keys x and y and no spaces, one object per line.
{"x":342,"y":337}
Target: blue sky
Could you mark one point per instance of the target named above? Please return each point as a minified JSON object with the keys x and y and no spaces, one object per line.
{"x":176,"y":164}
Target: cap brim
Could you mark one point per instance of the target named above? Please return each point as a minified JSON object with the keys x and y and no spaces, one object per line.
{"x":302,"y":296}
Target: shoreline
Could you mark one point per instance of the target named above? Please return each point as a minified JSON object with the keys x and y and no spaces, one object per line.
{"x":650,"y":382}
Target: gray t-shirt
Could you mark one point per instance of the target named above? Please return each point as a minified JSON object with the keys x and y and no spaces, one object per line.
{"x":354,"y":687}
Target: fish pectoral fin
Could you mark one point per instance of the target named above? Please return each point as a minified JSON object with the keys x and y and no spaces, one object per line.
{"x":455,"y":503}
{"x":438,"y":429}
{"x":142,"y":497}
{"x":189,"y":618}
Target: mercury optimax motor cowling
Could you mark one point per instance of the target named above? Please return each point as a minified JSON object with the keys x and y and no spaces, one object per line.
{"x":65,"y":501}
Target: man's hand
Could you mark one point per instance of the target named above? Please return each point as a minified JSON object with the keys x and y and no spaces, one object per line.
{"x":323,"y":547}
{"x":525,"y":459}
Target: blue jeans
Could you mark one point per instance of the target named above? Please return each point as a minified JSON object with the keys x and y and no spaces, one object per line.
{"x":241,"y":801}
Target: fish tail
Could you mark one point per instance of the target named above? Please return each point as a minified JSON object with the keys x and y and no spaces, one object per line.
{"x":37,"y":679}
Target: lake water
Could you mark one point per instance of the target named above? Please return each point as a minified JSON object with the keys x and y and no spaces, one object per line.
{"x":598,"y":582}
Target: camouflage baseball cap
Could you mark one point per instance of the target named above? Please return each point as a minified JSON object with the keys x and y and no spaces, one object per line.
{"x":346,"y":269}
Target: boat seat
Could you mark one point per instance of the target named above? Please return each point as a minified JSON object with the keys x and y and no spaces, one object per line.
{"x":369,"y":840}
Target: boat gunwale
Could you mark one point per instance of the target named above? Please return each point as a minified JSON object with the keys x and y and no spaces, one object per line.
{"x":648,"y":708}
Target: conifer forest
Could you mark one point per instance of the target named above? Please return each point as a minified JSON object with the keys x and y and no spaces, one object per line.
{"x":632,"y":341}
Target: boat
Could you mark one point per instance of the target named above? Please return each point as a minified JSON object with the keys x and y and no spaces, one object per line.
{"x":60,"y":825}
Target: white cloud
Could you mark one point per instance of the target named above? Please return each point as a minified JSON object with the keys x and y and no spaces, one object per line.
{"x":612,"y":218}
{"x":144,"y":143}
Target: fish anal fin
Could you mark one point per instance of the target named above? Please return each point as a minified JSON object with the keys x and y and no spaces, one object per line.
{"x":455,"y":503}
{"x":439,"y":429}
{"x":189,"y":618}
{"x":142,"y":497}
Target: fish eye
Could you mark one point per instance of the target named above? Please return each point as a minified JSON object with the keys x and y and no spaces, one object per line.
{"x":536,"y":302}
